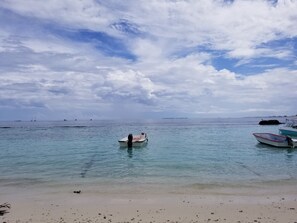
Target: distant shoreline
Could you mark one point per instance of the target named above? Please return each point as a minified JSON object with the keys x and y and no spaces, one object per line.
{"x":175,"y":118}
{"x":148,"y":118}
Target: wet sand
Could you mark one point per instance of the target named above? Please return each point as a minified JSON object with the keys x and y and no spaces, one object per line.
{"x":252,"y":204}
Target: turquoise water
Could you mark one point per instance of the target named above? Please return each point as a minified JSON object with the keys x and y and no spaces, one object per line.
{"x":180,"y":152}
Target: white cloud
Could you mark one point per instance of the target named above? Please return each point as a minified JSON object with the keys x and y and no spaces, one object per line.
{"x":80,"y":14}
{"x":42,"y":46}
{"x":126,"y":86}
{"x":239,"y":28}
{"x":172,"y":71}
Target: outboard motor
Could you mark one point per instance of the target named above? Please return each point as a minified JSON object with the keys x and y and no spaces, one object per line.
{"x":290,"y":142}
{"x":130,"y":139}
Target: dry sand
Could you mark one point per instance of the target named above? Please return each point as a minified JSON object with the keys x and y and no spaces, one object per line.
{"x":256,"y":204}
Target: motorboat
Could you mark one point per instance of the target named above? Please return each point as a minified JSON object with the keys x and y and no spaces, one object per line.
{"x":134,"y":140}
{"x":275,"y":140}
{"x":290,"y":128}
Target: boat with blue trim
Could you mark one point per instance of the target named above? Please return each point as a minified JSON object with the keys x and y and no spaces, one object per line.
{"x":290,"y":128}
{"x":276,"y":140}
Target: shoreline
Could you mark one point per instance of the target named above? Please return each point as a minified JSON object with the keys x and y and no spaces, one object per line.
{"x":274,"y":203}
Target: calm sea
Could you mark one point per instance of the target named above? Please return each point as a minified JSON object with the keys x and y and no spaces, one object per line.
{"x":180,"y":152}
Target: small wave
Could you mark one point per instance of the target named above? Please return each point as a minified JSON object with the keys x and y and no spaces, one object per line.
{"x":21,"y":182}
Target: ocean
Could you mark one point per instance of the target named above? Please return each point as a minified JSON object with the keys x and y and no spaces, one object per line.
{"x":181,"y":153}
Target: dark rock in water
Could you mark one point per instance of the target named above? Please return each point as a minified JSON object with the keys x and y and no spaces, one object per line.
{"x":77,"y":191}
{"x":270,"y":122}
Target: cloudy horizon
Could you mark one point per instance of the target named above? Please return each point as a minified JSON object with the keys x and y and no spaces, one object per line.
{"x":147,"y":59}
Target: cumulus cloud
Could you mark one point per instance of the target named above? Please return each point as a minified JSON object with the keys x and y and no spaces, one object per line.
{"x":109,"y":58}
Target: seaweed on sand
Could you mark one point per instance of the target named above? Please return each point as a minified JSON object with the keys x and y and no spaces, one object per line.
{"x":4,"y":208}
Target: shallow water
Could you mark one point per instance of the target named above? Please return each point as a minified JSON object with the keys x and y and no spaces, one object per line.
{"x":180,"y":152}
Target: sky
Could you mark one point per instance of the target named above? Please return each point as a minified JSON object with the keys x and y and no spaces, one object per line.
{"x":101,"y":59}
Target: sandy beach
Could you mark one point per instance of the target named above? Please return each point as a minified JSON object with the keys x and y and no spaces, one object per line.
{"x":277,"y":203}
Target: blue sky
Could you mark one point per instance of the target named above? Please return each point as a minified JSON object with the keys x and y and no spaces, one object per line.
{"x":147,"y":59}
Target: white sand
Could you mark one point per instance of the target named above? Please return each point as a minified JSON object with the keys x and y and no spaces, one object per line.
{"x":251,"y":204}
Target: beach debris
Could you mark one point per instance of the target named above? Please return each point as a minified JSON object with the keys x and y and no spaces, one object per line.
{"x":77,"y":191}
{"x":4,"y":208}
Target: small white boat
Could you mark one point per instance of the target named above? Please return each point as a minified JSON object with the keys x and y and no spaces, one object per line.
{"x":134,"y":140}
{"x":290,"y":128}
{"x":275,"y":140}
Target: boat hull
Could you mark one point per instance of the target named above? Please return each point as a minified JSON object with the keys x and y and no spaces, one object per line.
{"x":290,"y":128}
{"x":134,"y":144}
{"x":274,"y":140}
{"x":288,"y":131}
